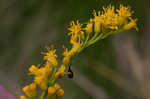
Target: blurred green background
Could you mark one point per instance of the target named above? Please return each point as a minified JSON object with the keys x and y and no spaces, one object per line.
{"x":114,"y":68}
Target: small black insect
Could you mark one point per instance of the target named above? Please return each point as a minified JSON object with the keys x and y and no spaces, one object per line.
{"x":70,"y":73}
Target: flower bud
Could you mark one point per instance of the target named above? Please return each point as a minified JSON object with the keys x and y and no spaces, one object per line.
{"x":51,"y":91}
{"x":30,"y":90}
{"x":130,"y":25}
{"x":97,"y":27}
{"x":60,"y":92}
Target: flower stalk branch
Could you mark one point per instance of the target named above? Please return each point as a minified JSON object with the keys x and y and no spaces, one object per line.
{"x":104,"y":23}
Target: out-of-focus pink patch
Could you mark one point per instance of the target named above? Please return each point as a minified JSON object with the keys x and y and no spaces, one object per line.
{"x":4,"y":94}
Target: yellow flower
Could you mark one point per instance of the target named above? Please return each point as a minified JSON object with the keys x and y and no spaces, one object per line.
{"x":48,"y":66}
{"x":75,"y":28}
{"x":60,"y":72}
{"x":33,"y":69}
{"x":75,"y":48}
{"x":66,"y":60}
{"x":97,"y":17}
{"x":41,"y":74}
{"x":41,"y":77}
{"x":30,"y":90}
{"x":62,"y":69}
{"x":123,"y":14}
{"x":130,"y":25}
{"x":67,"y":56}
{"x":97,"y":22}
{"x":60,"y":92}
{"x":97,"y":27}
{"x":51,"y":56}
{"x":124,"y":11}
{"x":76,"y":31}
{"x":89,"y":27}
{"x":51,"y":91}
{"x":41,"y":81}
{"x":109,"y":17}
{"x":22,"y":97}
{"x":58,"y":75}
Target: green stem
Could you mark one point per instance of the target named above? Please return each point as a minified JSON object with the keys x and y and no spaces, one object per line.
{"x":100,"y":37}
{"x":52,"y":79}
{"x":95,"y":35}
{"x":43,"y":95}
{"x":84,"y":44}
{"x":95,"y":40}
{"x":87,"y":38}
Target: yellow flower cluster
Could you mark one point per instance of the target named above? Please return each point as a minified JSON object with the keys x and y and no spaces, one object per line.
{"x":41,"y":74}
{"x":111,"y":19}
{"x":30,"y":91}
{"x":56,"y":89}
{"x":104,"y":23}
{"x":50,"y":56}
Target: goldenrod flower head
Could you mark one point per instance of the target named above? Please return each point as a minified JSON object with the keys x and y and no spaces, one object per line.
{"x":60,"y":92}
{"x":30,"y":90}
{"x":51,"y":56}
{"x":98,"y":20}
{"x":41,"y":81}
{"x":51,"y":91}
{"x":108,"y":12}
{"x":124,"y":11}
{"x":58,"y":75}
{"x":41,"y":71}
{"x":89,"y":27}
{"x":76,"y":31}
{"x":67,"y":56}
{"x":131,"y":24}
{"x":74,"y":49}
{"x":62,"y":68}
{"x":97,"y":17}
{"x":106,"y":20}
{"x":97,"y":27}
{"x":110,"y":18}
{"x":60,"y":72}
{"x":66,"y":60}
{"x":75,"y":28}
{"x":22,"y":97}
{"x":48,"y":67}
{"x":76,"y":45}
{"x":41,"y":77}
{"x":123,"y":14}
{"x":66,"y":52}
{"x":33,"y":69}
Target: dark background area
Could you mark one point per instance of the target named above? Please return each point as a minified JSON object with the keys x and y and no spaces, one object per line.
{"x":114,"y":68}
